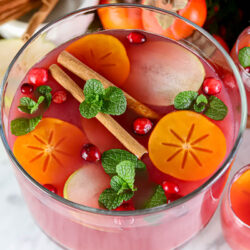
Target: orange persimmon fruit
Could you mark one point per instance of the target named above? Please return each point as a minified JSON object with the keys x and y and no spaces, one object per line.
{"x":187,"y":146}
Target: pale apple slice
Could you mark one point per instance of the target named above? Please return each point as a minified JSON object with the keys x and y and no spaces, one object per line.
{"x":85,"y":185}
{"x":8,"y":49}
{"x":160,"y":70}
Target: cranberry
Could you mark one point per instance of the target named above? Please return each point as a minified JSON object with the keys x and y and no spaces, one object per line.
{"x":126,"y":206}
{"x":170,"y":187}
{"x":173,"y":197}
{"x":142,"y":126}
{"x":27,"y":88}
{"x":90,"y":153}
{"x":59,"y":96}
{"x":212,"y":86}
{"x":136,"y":37}
{"x":38,"y":76}
{"x":247,"y":69}
{"x":51,"y":188}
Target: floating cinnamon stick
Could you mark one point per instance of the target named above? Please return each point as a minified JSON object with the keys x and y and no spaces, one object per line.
{"x":248,"y":122}
{"x":84,"y":72}
{"x":39,"y":17}
{"x":112,"y":125}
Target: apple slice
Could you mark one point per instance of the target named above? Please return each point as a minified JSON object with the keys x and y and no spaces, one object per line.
{"x":160,"y":70}
{"x":86,"y":184}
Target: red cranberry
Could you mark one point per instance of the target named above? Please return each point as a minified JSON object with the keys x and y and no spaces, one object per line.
{"x":126,"y":206}
{"x":170,"y":187}
{"x":142,"y":126}
{"x":136,"y":37}
{"x":247,"y":69}
{"x":90,"y":153}
{"x":38,"y":76}
{"x":173,"y":197}
{"x":27,"y":88}
{"x":212,"y":86}
{"x":51,"y":188}
{"x":59,"y":96}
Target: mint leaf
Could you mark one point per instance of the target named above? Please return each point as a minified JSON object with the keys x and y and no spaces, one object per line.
{"x":45,"y":91}
{"x":158,"y":198}
{"x":216,"y":110}
{"x":93,"y":87}
{"x":118,"y":184}
{"x":185,"y":99}
{"x":111,"y":158}
{"x":200,"y":104}
{"x":28,"y":105}
{"x":244,"y":57}
{"x":89,"y":110}
{"x":22,"y":126}
{"x":126,"y":171}
{"x":111,"y":200}
{"x":114,"y":102}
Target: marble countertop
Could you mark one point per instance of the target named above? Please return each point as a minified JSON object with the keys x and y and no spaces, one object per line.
{"x":18,"y":230}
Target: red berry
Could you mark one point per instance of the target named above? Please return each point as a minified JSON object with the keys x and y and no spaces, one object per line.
{"x":126,"y":206}
{"x":27,"y":88}
{"x":142,"y":126}
{"x":136,"y":37}
{"x":90,"y":153}
{"x":51,"y":188}
{"x":38,"y":76}
{"x":212,"y":86}
{"x":173,"y":197}
{"x":170,"y":187}
{"x":59,"y":96}
{"x":247,"y":69}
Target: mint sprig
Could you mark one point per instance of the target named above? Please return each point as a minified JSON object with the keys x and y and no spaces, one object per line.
{"x":212,"y":107}
{"x":97,"y":99}
{"x":28,"y":105}
{"x":111,"y":158}
{"x":158,"y":198}
{"x":45,"y":91}
{"x":244,"y":57}
{"x":23,"y":126}
{"x":111,"y":200}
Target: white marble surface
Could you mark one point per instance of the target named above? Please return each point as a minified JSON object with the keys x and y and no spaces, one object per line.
{"x":19,"y":232}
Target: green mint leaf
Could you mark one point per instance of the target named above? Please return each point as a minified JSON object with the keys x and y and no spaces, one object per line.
{"x":126,"y":170}
{"x":185,"y":100}
{"x":22,"y":126}
{"x":114,"y":102}
{"x":111,"y":200}
{"x":200,"y":104}
{"x":46,"y":92}
{"x":118,"y":184}
{"x":216,"y":110}
{"x":111,"y":158}
{"x":28,"y":105}
{"x":93,"y":87}
{"x":244,"y":57}
{"x":158,"y":198}
{"x":90,"y":110}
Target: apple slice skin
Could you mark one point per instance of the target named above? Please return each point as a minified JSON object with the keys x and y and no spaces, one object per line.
{"x":86,"y":184}
{"x":160,"y":70}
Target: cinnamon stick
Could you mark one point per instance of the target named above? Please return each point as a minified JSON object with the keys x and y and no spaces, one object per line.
{"x":18,"y":11}
{"x":84,"y":72}
{"x":248,"y":121}
{"x":10,"y":5}
{"x":39,"y":17}
{"x":112,"y":125}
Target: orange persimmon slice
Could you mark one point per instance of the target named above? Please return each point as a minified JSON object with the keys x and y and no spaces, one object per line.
{"x":51,"y":152}
{"x":103,"y":53}
{"x":187,"y":145}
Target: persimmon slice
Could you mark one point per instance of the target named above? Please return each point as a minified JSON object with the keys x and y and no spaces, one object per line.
{"x":51,"y":152}
{"x":104,"y":54}
{"x":187,"y":145}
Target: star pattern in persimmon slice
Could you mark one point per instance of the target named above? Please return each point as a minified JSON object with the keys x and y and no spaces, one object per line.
{"x":187,"y":145}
